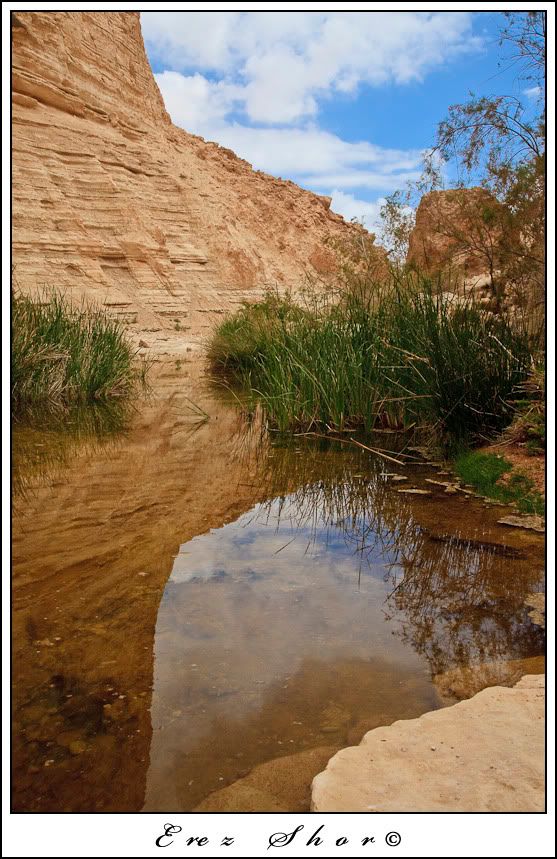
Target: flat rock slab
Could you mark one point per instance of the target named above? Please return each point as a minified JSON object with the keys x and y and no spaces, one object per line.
{"x":536,"y":602}
{"x":414,"y":491}
{"x":534,"y":523}
{"x":483,"y":754}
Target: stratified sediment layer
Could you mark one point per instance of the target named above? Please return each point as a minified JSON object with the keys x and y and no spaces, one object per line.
{"x":112,"y":202}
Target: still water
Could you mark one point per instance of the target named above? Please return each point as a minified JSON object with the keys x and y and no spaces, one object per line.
{"x":192,"y":600}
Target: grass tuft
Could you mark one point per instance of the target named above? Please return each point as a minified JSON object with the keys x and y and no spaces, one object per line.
{"x":485,"y":472}
{"x":63,"y":354}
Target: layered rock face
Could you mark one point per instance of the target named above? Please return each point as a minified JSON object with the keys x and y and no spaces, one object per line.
{"x":453,"y":230}
{"x":112,"y":202}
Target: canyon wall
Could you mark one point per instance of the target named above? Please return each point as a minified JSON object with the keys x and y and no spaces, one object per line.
{"x":112,"y":202}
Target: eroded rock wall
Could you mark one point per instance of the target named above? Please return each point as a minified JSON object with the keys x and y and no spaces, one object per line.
{"x":454,"y":230}
{"x":112,"y":202}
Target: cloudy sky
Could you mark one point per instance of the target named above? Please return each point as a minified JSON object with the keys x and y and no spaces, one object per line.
{"x":343,"y":103}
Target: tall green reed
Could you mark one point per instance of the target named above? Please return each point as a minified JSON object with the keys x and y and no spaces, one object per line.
{"x":392,"y":355}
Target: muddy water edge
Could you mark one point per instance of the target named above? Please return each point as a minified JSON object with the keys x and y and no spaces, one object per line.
{"x":192,"y":598}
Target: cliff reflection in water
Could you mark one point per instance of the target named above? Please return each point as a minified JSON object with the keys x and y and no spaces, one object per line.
{"x":45,"y":439}
{"x":322,"y":612}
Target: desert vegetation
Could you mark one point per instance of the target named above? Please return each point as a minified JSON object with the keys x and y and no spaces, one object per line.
{"x":407,"y":338}
{"x":400,"y":355}
{"x":488,"y":157}
{"x":64,"y":354}
{"x":494,"y":477}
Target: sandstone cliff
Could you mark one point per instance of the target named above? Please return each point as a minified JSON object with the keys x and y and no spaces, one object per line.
{"x":455,"y":229}
{"x":113,"y":203}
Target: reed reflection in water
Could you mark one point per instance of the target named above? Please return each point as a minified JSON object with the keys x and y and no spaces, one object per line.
{"x":44,"y":440}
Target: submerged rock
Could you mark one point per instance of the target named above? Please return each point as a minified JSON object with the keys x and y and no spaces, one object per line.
{"x":534,"y":523}
{"x":414,"y":491}
{"x":462,"y":683}
{"x":77,"y":747}
{"x":282,"y":784}
{"x":334,"y":719}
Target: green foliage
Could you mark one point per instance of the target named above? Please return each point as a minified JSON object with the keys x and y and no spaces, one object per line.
{"x":398,"y":219}
{"x":528,"y":425}
{"x":496,"y":142}
{"x":484,"y":472}
{"x":481,"y":470}
{"x":243,"y":338}
{"x":393,"y":356}
{"x":64,"y":354}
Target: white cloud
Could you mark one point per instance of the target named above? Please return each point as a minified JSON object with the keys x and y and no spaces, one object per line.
{"x":287,"y":61}
{"x":373,"y":180}
{"x":196,"y":103}
{"x":317,"y":158}
{"x":532,"y":92}
{"x":254,"y":82}
{"x":364,"y":211}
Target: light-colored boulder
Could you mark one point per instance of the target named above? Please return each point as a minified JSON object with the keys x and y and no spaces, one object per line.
{"x":483,"y":754}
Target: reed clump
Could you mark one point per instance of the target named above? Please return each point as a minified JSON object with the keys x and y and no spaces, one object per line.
{"x":64,"y":354}
{"x":391,"y":355}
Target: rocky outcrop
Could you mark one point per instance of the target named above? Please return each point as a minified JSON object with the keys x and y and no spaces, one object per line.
{"x":455,"y":229}
{"x":483,"y":754}
{"x":112,"y":202}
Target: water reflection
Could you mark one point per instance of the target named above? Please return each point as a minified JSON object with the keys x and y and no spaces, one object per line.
{"x":319,"y":614}
{"x":459,"y":603}
{"x":44,"y":439}
{"x":94,"y":536}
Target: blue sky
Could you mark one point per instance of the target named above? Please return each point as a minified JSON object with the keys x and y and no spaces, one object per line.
{"x":343,"y":103}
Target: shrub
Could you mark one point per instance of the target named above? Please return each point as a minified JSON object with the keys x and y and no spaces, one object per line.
{"x":243,"y":338}
{"x":528,"y":425}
